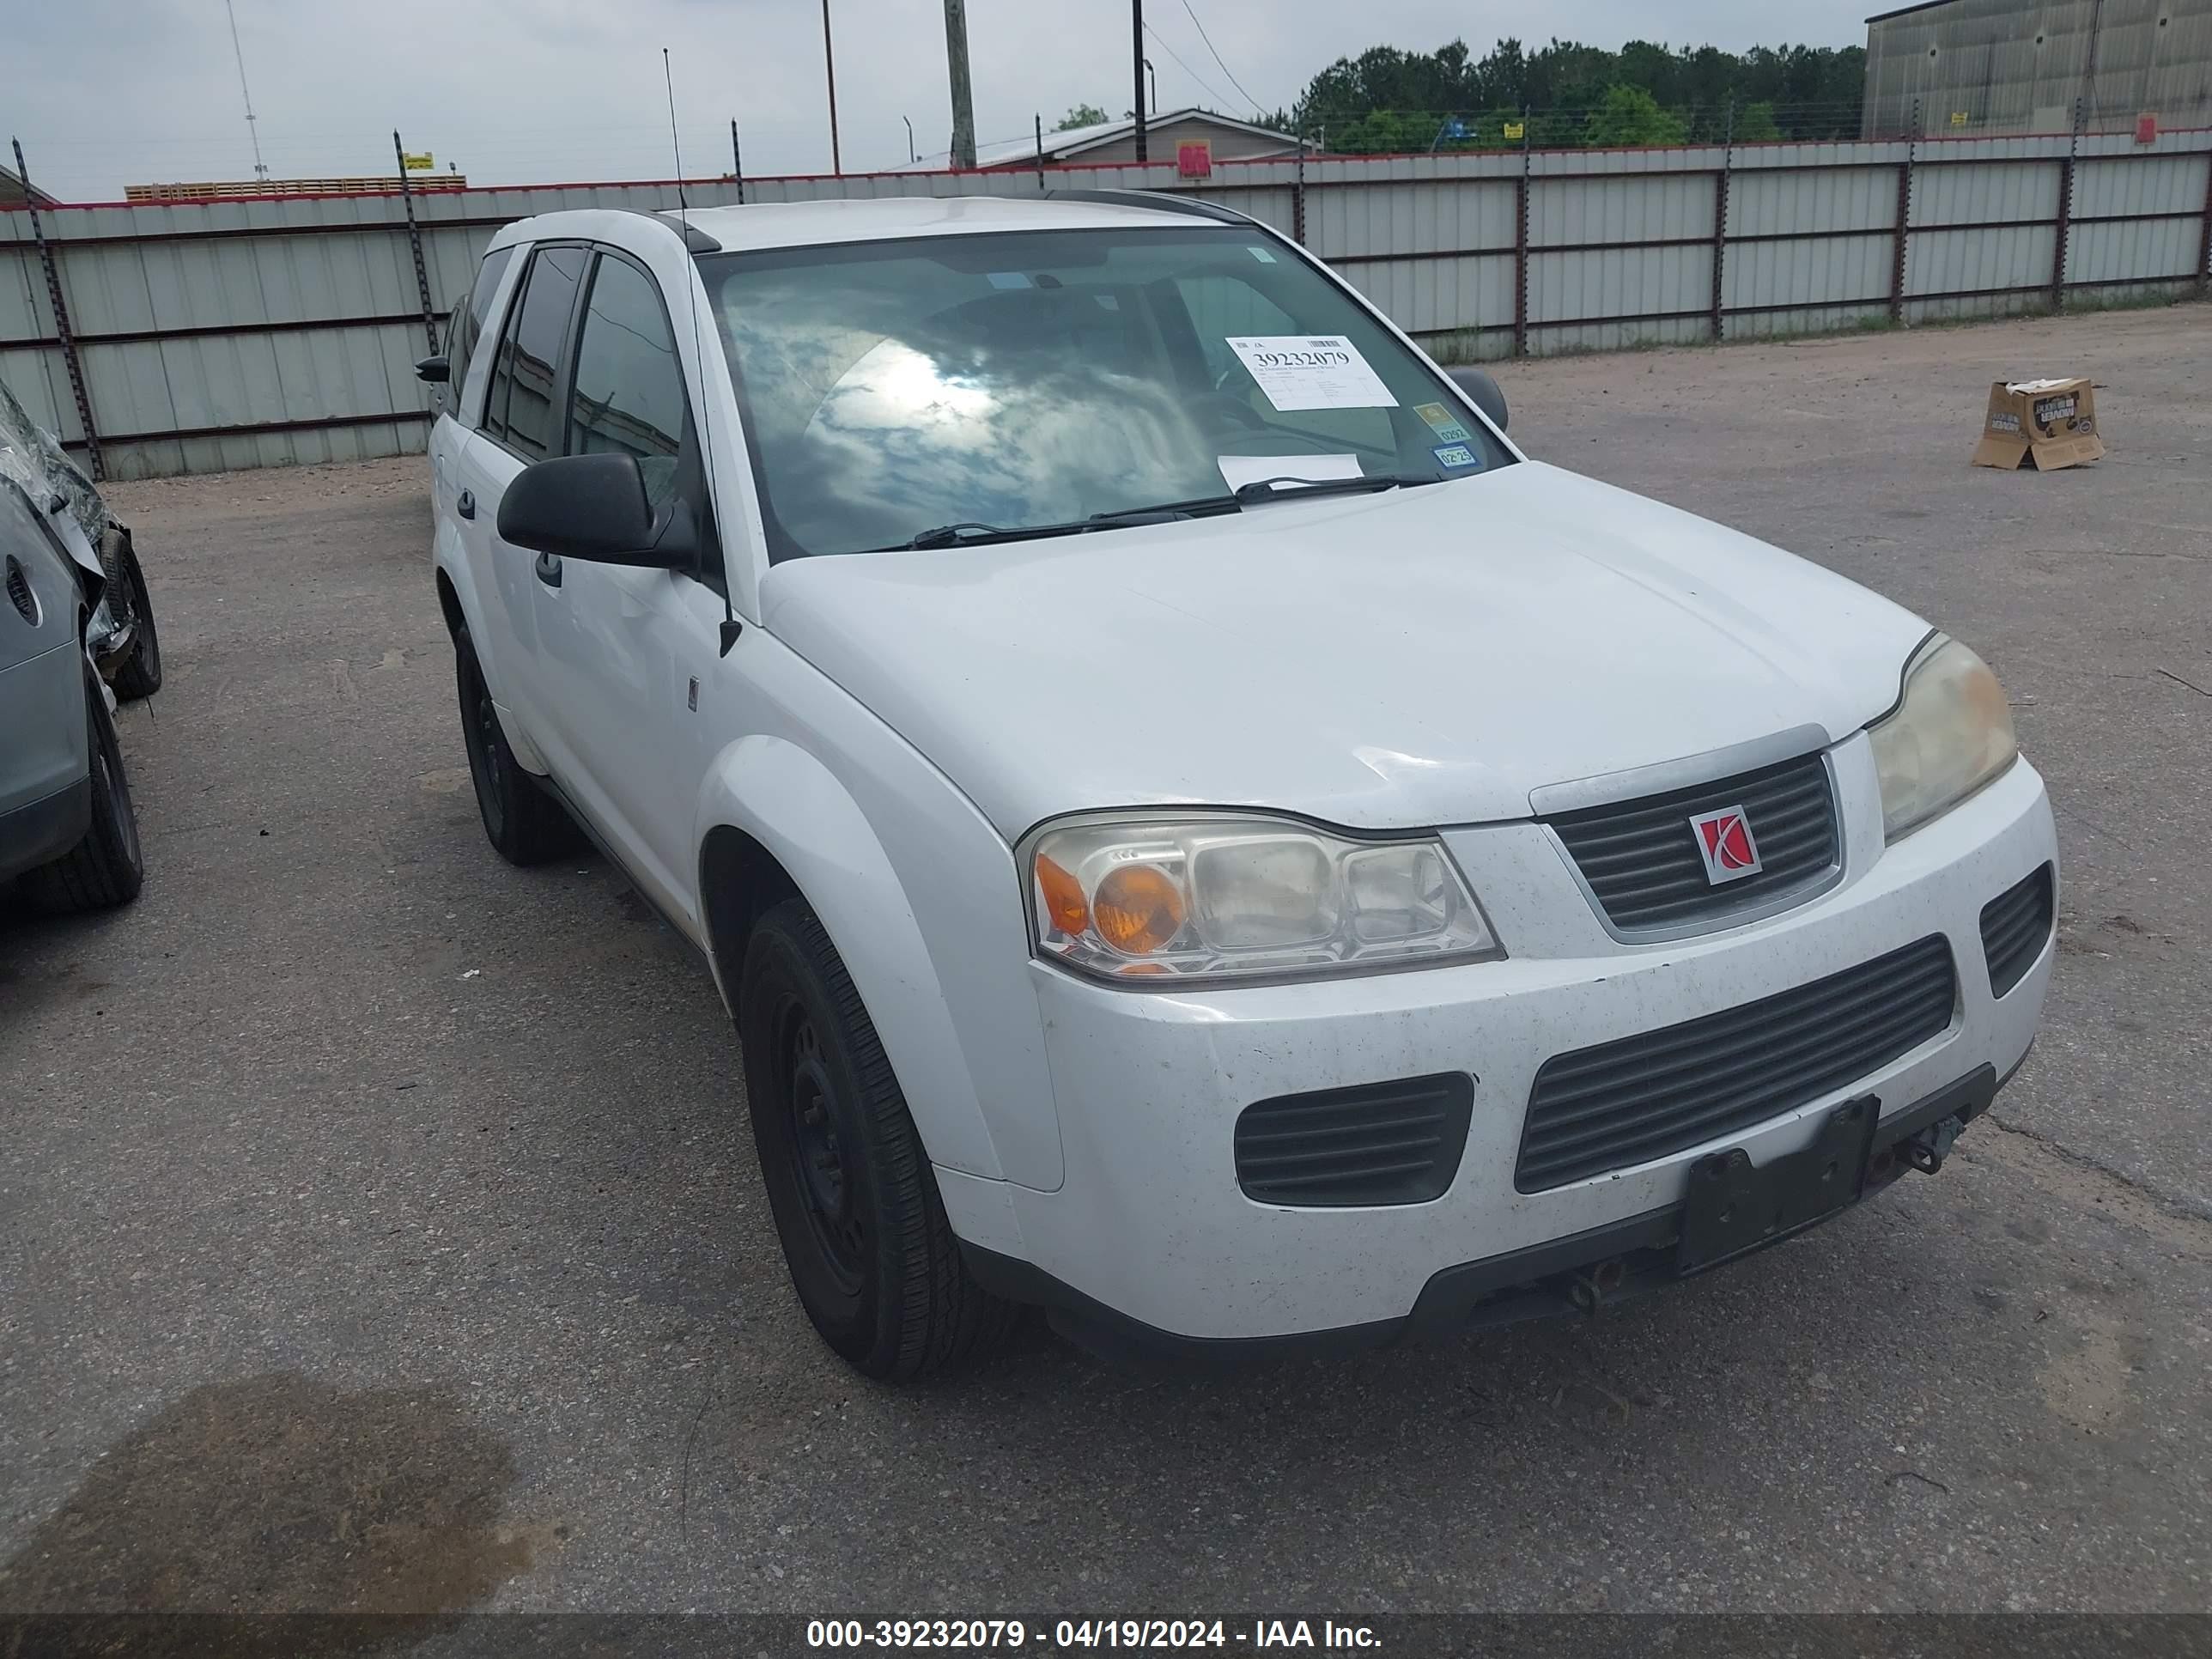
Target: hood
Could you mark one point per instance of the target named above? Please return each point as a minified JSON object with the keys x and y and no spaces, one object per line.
{"x":1411,"y":659}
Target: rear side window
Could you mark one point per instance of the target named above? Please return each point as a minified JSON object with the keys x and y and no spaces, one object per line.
{"x":467,"y":324}
{"x":628,"y":396}
{"x":519,"y":411}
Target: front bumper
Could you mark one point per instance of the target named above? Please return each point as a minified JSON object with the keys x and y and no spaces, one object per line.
{"x":1151,"y":1225}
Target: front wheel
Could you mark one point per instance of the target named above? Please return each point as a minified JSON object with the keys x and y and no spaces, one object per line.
{"x":141,"y":673}
{"x":864,"y":1232}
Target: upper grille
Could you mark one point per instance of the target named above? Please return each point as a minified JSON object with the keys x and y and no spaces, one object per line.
{"x":1648,"y":1096}
{"x":19,"y":591}
{"x":1380,"y":1143}
{"x":2014,"y":925}
{"x":1641,"y":858}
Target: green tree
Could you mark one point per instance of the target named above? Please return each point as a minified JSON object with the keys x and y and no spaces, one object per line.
{"x":1808,"y":92}
{"x":1755,"y":125}
{"x":1630,"y":115}
{"x":1083,"y":115}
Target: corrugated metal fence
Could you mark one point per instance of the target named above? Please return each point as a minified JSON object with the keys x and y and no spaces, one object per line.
{"x":257,"y":333}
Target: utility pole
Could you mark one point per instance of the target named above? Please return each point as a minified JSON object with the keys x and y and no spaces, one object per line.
{"x":1137,"y":38}
{"x":963,"y":107}
{"x":829,"y":68}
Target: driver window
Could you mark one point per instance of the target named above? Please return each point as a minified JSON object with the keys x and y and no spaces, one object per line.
{"x":1220,"y":306}
{"x":628,"y":390}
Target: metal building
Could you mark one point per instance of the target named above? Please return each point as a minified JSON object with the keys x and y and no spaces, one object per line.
{"x":1165,"y":132}
{"x":1983,"y":66}
{"x":14,"y":192}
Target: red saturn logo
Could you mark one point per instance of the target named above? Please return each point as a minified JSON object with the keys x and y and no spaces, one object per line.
{"x":1724,"y":843}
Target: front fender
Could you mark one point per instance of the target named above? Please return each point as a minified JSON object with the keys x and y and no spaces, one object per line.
{"x":792,"y":806}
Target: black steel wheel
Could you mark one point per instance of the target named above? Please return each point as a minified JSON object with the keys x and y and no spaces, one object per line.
{"x":524,"y":823}
{"x":856,"y":1205}
{"x":141,"y":673}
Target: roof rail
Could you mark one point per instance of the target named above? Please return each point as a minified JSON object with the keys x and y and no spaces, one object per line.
{"x":1163,"y":201}
{"x":694,"y":239}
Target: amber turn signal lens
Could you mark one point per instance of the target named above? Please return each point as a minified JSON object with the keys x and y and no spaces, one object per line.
{"x":1063,"y":897}
{"x":1138,"y":909}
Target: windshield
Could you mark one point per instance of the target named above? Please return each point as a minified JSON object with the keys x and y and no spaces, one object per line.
{"x":1044,"y":378}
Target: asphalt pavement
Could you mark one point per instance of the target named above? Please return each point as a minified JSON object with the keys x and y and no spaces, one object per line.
{"x":379,"y":1228}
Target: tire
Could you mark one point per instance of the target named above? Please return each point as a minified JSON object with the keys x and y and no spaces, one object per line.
{"x":864,"y":1232}
{"x":524,"y":823}
{"x":141,"y":673}
{"x":108,"y":866}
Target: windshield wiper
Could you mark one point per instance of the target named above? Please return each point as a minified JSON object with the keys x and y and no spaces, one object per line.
{"x":969,"y":534}
{"x":1264,"y":489}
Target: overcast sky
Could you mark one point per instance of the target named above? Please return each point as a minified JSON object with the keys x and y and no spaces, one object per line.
{"x":104,"y":92}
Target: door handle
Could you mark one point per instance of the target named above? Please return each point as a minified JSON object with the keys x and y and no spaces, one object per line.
{"x":549,"y":571}
{"x":467,"y":505}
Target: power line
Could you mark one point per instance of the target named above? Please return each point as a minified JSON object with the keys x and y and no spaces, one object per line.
{"x":1225,"y":70}
{"x":1216,"y":91}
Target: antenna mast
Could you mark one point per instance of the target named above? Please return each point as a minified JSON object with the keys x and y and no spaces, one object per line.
{"x":260,"y":168}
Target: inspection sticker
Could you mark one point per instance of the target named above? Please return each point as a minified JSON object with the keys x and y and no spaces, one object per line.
{"x":1455,"y":455}
{"x":1316,"y":371}
{"x":1262,"y":255}
{"x":1442,"y":424}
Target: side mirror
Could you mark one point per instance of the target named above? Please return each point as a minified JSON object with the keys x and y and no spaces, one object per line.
{"x":1482,"y":392}
{"x":593,"y":508}
{"x":434,"y":371}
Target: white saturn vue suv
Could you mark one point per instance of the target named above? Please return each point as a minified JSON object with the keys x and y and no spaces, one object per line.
{"x":1196,"y":831}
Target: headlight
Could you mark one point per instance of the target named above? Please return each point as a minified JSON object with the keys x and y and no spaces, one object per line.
{"x":1950,"y":733}
{"x":1209,"y":898}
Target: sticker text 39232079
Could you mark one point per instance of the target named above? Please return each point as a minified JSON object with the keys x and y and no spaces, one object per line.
{"x":1320,"y":371}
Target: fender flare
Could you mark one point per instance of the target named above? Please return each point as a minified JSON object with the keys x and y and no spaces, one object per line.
{"x":788,"y":802}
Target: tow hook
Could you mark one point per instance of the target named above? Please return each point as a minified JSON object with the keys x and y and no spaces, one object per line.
{"x":1926,"y":1149}
{"x":1587,"y":1290}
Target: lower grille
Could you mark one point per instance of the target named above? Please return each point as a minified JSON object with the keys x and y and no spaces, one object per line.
{"x":2015,"y":926}
{"x":1656,"y":1093}
{"x":1381,"y":1143}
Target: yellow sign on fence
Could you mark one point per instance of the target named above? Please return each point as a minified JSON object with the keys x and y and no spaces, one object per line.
{"x":1957,"y":117}
{"x":1516,"y":129}
{"x":425,"y":162}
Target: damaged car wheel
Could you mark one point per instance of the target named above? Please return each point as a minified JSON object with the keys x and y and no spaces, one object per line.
{"x":140,"y":676}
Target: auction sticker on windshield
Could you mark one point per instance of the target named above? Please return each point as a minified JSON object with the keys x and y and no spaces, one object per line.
{"x":1311,"y":371}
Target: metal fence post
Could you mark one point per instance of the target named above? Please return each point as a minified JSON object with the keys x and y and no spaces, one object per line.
{"x":2204,"y":247}
{"x":1904,"y":219}
{"x":1721,"y":212}
{"x":415,"y":244}
{"x":61,"y":319}
{"x":737,"y":164}
{"x":1040,"y":153}
{"x":2065,"y":214}
{"x":1298,"y":196}
{"x":1521,"y":248}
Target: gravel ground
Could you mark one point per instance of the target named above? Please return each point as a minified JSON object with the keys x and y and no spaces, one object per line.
{"x":378,"y":1227}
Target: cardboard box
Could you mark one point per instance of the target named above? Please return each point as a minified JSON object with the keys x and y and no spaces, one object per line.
{"x":2049,"y":423}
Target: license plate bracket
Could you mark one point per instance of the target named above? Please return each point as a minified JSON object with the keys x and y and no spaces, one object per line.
{"x":1735,"y":1206}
